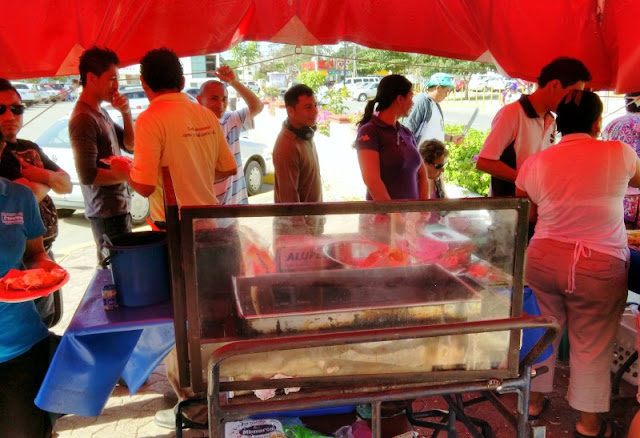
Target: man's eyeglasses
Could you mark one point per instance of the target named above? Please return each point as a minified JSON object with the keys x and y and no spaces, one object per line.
{"x":439,"y":166}
{"x":15,"y":109}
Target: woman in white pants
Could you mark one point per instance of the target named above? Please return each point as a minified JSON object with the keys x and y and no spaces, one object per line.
{"x":577,"y":260}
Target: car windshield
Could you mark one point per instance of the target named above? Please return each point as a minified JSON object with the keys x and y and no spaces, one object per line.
{"x":57,"y":136}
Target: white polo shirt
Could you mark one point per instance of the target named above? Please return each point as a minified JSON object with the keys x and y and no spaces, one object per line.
{"x":518,"y":128}
{"x":578,"y":186}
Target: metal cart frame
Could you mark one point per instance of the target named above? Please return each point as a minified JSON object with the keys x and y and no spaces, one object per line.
{"x":353,"y":389}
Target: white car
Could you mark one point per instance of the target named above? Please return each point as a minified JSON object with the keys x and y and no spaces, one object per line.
{"x":54,"y":142}
{"x":478,"y":82}
{"x":137,"y":100}
{"x":28,"y":95}
{"x":497,"y":82}
{"x":257,"y":162}
{"x":52,"y":95}
{"x":252,"y":85}
{"x":365,"y":92}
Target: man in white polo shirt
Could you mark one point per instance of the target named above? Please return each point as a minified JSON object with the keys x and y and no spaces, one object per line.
{"x":527,"y":126}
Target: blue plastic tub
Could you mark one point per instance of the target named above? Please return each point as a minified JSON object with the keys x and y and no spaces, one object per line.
{"x":140,"y":266}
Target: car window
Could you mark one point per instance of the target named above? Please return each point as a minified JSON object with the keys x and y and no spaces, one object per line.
{"x":57,"y":136}
{"x":135,"y":95}
{"x":21,"y":86}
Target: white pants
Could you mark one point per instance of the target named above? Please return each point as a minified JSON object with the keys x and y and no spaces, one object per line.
{"x":591,"y":313}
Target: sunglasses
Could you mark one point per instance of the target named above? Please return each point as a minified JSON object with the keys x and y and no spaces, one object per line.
{"x":15,"y":109}
{"x":439,"y":166}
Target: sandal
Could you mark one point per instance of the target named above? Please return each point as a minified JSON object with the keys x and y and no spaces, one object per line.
{"x":545,"y":405}
{"x":616,"y":431}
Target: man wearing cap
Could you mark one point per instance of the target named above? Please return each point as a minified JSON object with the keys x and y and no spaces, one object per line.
{"x":426,"y":120}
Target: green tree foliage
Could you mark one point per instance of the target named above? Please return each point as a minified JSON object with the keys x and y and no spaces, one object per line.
{"x":428,"y":65}
{"x":245,"y":53}
{"x":371,"y":61}
{"x":313,"y":79}
{"x":461,"y":166}
{"x":336,"y":98}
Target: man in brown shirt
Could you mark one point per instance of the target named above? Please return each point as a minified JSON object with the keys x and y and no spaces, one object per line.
{"x":297,"y":169}
{"x":94,"y":136}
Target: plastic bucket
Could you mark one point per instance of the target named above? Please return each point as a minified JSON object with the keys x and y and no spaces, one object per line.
{"x":140,"y":266}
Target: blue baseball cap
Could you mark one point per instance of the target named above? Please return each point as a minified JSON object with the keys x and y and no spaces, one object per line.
{"x":442,"y":79}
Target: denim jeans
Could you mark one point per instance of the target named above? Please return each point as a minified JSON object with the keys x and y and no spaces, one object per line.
{"x":111,"y":226}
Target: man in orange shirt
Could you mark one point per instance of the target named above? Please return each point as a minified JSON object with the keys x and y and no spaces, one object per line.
{"x":175,"y":132}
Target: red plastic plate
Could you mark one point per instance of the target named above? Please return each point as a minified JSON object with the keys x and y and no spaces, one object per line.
{"x":17,"y":296}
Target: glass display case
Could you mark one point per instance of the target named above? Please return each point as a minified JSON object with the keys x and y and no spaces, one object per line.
{"x":359,"y":291}
{"x":259,"y":272}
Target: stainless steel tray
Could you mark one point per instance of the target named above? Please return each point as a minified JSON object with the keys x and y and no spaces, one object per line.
{"x":352,"y":298}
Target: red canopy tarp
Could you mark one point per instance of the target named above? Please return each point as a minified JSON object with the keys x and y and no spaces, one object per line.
{"x":45,"y":37}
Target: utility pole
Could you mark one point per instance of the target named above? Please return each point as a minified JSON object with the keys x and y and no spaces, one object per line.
{"x":344,"y":65}
{"x":315,"y":62}
{"x":355,"y":69}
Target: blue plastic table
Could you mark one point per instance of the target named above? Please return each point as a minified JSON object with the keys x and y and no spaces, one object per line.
{"x":100,"y":346}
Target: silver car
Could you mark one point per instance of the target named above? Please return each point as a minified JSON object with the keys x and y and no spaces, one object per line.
{"x":365,"y":92}
{"x":256,"y":160}
{"x":56,"y":145}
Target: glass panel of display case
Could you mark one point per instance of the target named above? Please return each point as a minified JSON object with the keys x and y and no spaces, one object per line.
{"x":283,"y":275}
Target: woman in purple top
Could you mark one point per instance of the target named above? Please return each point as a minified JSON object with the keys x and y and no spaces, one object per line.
{"x":390,"y":163}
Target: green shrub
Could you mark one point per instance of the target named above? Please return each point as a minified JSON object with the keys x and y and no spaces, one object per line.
{"x":461,"y":166}
{"x":336,"y":98}
{"x":271,"y":92}
{"x":313,"y":79}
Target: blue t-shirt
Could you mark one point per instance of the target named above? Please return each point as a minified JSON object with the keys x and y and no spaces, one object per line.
{"x":399,"y":156}
{"x":19,"y":222}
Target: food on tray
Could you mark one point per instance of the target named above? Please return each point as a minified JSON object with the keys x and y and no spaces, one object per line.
{"x":108,"y":161}
{"x":633,"y":239}
{"x":33,"y":279}
{"x":390,"y":256}
{"x":487,"y":274}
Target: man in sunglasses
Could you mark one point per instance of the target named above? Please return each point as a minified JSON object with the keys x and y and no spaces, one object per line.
{"x":95,"y":137}
{"x":23,"y":161}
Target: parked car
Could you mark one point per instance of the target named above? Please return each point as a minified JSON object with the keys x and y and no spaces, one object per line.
{"x":137,"y":99}
{"x":252,"y":85}
{"x":460,"y":84}
{"x":497,"y":82}
{"x":56,"y":144}
{"x":358,"y":81}
{"x":54,"y":141}
{"x":257,"y":161}
{"x":365,"y":92}
{"x":138,"y":102}
{"x":28,"y":95}
{"x":52,"y":95}
{"x":478,"y":82}
{"x":59,"y":88}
